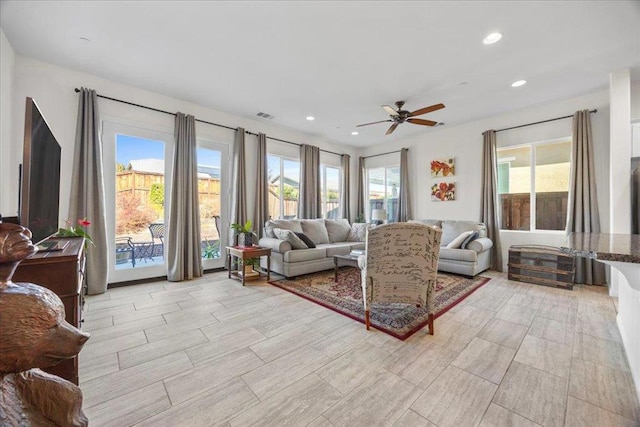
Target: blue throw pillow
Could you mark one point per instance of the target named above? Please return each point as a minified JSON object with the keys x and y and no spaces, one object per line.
{"x":473,"y":236}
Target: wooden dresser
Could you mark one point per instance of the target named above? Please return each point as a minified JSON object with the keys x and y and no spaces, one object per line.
{"x":62,"y":272}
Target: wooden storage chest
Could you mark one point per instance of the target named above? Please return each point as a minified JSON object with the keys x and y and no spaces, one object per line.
{"x":541,"y":265}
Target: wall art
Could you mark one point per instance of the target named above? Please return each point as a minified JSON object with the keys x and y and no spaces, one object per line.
{"x":443,"y":167}
{"x":443,"y":191}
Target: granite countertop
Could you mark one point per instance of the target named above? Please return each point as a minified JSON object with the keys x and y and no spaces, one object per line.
{"x":603,"y":246}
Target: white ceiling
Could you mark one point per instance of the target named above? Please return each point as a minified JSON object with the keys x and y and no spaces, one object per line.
{"x":338,"y":61}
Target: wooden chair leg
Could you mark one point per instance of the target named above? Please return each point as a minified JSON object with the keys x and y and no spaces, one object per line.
{"x":430,"y":322}
{"x":366,"y":319}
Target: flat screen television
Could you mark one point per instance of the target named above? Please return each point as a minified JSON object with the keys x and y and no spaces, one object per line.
{"x":40,"y":176}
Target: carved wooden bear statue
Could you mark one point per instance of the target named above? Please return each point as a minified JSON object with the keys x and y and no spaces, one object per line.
{"x":33,"y":334}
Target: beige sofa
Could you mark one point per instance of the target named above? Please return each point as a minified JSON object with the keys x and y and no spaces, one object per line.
{"x":469,"y":261}
{"x":330,"y":236}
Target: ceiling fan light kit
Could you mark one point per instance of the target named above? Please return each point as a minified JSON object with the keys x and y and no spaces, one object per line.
{"x":399,"y":116}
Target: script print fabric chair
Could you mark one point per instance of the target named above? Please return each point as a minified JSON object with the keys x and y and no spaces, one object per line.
{"x":401,"y":266}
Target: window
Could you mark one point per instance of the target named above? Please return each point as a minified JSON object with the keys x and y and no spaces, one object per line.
{"x":330,"y":188}
{"x":383,"y":186}
{"x":284,"y":186}
{"x":533,"y":185}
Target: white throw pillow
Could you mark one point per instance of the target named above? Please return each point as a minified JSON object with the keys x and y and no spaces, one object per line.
{"x":290,"y":236}
{"x":455,"y":243}
{"x":358,"y":232}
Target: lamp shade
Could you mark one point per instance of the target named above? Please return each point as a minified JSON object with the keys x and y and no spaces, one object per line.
{"x":378,"y":214}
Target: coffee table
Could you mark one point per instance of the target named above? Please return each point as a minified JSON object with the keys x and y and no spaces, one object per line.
{"x":341,"y":261}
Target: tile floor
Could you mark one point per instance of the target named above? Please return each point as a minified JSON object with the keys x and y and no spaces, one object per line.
{"x":211,"y":352}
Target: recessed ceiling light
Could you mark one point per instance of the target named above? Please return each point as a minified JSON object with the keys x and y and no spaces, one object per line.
{"x":310,"y":118}
{"x":355,"y":132}
{"x":492,"y":38}
{"x":518,"y":83}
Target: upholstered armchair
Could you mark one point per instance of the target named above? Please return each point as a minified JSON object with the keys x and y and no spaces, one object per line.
{"x":400,"y":266}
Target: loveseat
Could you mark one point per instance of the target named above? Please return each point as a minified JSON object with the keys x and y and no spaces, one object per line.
{"x":289,"y":241}
{"x":464,"y":247}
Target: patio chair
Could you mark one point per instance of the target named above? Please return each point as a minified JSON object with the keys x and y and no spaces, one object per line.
{"x":125,"y":246}
{"x":157,"y":233}
{"x":400,"y":266}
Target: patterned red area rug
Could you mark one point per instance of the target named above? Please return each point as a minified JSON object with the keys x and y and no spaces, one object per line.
{"x":398,"y":320}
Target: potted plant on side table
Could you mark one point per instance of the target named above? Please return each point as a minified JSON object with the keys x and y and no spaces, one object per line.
{"x":244,"y":233}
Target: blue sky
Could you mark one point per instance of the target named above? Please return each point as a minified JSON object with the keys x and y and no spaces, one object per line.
{"x":131,"y":148}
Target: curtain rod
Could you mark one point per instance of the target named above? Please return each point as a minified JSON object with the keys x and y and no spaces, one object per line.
{"x":543,"y":121}
{"x":198,"y":120}
{"x":382,"y":154}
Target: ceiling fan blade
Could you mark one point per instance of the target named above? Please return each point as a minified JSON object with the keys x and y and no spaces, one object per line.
{"x":392,"y":128}
{"x":390,"y":110}
{"x":426,"y":110}
{"x":373,"y":123}
{"x":422,"y":122}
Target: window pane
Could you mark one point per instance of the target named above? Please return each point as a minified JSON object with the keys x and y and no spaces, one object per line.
{"x":514,"y":186}
{"x":209,"y":168}
{"x":392,"y":187}
{"x":553,"y":164}
{"x":273,"y":167}
{"x":290,"y":187}
{"x":331,"y":192}
{"x":376,"y":185}
{"x":139,"y":196}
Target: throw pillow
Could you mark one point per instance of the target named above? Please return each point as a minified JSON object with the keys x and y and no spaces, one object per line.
{"x":307,"y":241}
{"x":338,"y":229}
{"x":473,"y":236}
{"x":358,"y":232}
{"x":315,"y":230}
{"x":290,"y":236}
{"x":455,"y":243}
{"x":284,"y":224}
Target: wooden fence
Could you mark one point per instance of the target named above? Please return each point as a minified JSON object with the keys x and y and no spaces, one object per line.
{"x":551,"y":211}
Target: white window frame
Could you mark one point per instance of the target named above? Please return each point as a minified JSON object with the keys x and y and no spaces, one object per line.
{"x":367,"y":193}
{"x":324,"y":189}
{"x":225,"y":198}
{"x":281,"y":189}
{"x":532,"y":190}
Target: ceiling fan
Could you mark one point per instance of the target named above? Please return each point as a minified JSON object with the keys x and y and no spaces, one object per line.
{"x":400,"y":116}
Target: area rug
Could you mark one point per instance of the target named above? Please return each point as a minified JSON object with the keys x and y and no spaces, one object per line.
{"x":398,"y":320}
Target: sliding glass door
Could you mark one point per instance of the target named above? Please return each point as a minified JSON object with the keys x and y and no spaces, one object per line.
{"x":138,"y":163}
{"x":137,"y":183}
{"x":212,"y":188}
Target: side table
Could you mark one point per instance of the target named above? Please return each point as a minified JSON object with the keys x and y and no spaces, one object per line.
{"x":243,"y":253}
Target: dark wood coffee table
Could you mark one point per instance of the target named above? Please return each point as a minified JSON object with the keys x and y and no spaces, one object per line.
{"x":341,"y":261}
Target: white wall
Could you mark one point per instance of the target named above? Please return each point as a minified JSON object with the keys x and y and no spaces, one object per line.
{"x":7,"y":175}
{"x":53,"y":89}
{"x":464,"y":142}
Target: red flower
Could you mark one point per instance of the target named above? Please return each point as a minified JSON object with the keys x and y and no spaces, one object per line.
{"x":83,"y":222}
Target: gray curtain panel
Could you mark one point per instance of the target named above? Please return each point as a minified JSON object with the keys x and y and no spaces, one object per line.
{"x":489,"y":203}
{"x":87,"y":189}
{"x":403,"y":213}
{"x":582,"y":214}
{"x":239,"y":196}
{"x":309,"y":204}
{"x":184,"y":251}
{"x":360,"y":208}
{"x":345,"y":196}
{"x":261,"y":212}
